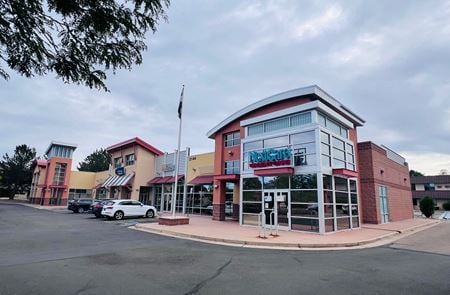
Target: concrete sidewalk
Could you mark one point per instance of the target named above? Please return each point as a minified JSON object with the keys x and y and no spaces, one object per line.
{"x":230,"y":233}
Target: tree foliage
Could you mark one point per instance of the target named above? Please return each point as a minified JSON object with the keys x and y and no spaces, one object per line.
{"x":79,"y":40}
{"x":427,"y":207}
{"x":95,"y":162}
{"x":415,"y":173}
{"x":15,"y":171}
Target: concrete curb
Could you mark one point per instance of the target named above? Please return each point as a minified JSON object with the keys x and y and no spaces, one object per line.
{"x":388,"y":238}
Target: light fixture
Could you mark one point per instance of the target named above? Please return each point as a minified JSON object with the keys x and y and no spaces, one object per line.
{"x":230,"y":152}
{"x":216,"y":186}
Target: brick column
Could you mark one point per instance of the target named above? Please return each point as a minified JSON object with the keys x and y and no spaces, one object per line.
{"x":219,"y":200}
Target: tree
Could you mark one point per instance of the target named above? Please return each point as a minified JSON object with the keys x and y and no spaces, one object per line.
{"x":79,"y":40}
{"x":427,"y":206}
{"x":15,"y":171}
{"x":95,"y":162}
{"x":415,"y":173}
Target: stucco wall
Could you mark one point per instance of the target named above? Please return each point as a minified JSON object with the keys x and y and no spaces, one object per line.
{"x":201,"y":164}
{"x":82,"y":180}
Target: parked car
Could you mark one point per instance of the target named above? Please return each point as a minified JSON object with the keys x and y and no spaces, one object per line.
{"x":118,"y":209}
{"x":97,"y":207}
{"x":80,"y":205}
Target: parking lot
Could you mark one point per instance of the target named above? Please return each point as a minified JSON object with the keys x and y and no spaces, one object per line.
{"x":58,"y":252}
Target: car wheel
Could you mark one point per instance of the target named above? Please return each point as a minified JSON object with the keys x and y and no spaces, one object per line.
{"x":81,"y":210}
{"x":97,"y":216}
{"x":150,"y":214}
{"x":118,"y":215}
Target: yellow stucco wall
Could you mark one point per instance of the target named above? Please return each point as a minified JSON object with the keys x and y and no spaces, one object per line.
{"x":82,"y":180}
{"x":201,"y":164}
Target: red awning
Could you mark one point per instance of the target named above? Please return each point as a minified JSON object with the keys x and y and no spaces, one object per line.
{"x":203,"y":179}
{"x":274,"y":171}
{"x":345,"y":172}
{"x":165,"y":179}
{"x":229,"y":177}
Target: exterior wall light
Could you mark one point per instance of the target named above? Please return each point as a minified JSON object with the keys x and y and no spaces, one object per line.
{"x":216,"y":186}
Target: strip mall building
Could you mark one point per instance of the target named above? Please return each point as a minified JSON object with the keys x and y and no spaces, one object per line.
{"x":292,"y":160}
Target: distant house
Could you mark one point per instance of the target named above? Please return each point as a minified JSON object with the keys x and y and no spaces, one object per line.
{"x":436,"y":187}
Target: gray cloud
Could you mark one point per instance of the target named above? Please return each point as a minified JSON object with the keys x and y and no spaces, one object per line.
{"x":388,"y":61}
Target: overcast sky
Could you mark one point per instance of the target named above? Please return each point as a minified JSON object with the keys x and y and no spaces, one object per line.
{"x":388,"y":61}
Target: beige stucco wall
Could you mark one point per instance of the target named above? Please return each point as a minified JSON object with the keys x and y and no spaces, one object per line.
{"x":100,"y":177}
{"x":145,"y":170}
{"x":82,"y":180}
{"x":201,"y":164}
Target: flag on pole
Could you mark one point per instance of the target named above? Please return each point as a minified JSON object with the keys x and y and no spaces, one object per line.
{"x":180,"y":105}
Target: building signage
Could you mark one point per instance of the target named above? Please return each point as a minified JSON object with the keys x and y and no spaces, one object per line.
{"x":120,"y":171}
{"x":270,"y":157}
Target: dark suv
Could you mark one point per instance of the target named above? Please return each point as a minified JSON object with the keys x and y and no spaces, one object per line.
{"x":80,"y":205}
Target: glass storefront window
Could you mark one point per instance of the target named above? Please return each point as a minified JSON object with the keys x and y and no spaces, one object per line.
{"x":251,"y":183}
{"x":329,"y":225}
{"x":249,"y":219}
{"x":341,"y":198}
{"x":252,"y":196}
{"x":249,"y":207}
{"x":343,"y":223}
{"x":304,"y":210}
{"x":276,"y":182}
{"x":309,"y":196}
{"x":304,"y":181}
{"x":276,"y":142}
{"x":340,"y":184}
{"x":328,"y":210}
{"x":254,"y":145}
{"x":305,"y":224}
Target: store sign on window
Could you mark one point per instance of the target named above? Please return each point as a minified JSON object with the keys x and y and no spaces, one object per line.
{"x":270,"y":157}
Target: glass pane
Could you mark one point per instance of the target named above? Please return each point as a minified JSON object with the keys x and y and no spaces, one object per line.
{"x":340,"y":184}
{"x":337,"y":143}
{"x":255,"y":129}
{"x":251,"y":207}
{"x":326,"y":161}
{"x":276,"y":142}
{"x":327,"y":183}
{"x":250,"y":219}
{"x":252,"y":196}
{"x":269,"y":182}
{"x":303,"y":137}
{"x":328,"y":210}
{"x":301,"y":119}
{"x":343,"y":223}
{"x":354,"y":198}
{"x":329,"y":225}
{"x":304,"y":224}
{"x":355,"y":221}
{"x":341,"y":198}
{"x":229,"y":187}
{"x":253,"y":183}
{"x":342,"y":210}
{"x":276,"y":124}
{"x":325,"y":149}
{"x":339,"y":155}
{"x":304,"y":196}
{"x":305,"y":181}
{"x":334,"y":127}
{"x":248,"y":146}
{"x":304,"y":210}
{"x":324,"y":137}
{"x":349,"y":148}
{"x":328,"y":197}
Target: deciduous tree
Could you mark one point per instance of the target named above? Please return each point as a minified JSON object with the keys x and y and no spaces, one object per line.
{"x":95,"y":162}
{"x":15,"y":171}
{"x":78,"y":40}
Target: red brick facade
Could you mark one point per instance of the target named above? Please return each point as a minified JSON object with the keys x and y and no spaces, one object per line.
{"x":375,"y":169}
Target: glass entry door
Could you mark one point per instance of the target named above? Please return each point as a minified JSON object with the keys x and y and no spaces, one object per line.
{"x":276,"y":208}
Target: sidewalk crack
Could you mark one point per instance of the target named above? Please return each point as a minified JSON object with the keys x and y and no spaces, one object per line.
{"x":204,"y":282}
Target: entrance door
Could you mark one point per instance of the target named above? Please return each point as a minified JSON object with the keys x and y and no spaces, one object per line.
{"x":384,"y":209}
{"x":276,"y":206}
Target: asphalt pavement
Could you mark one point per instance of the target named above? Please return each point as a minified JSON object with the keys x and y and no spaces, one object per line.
{"x":55,"y":252}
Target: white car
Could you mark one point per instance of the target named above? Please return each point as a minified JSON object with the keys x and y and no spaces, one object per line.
{"x":118,"y":209}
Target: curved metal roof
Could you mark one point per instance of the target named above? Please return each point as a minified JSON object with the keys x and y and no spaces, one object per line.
{"x":313,"y":89}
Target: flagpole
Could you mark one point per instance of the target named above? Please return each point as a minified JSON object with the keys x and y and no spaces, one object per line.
{"x":180,"y":115}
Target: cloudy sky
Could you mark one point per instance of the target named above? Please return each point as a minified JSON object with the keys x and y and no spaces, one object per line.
{"x":388,"y":61}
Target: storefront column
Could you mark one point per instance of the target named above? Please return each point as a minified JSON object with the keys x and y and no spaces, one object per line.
{"x":236,"y":200}
{"x":320,"y":203}
{"x":219,"y":200}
